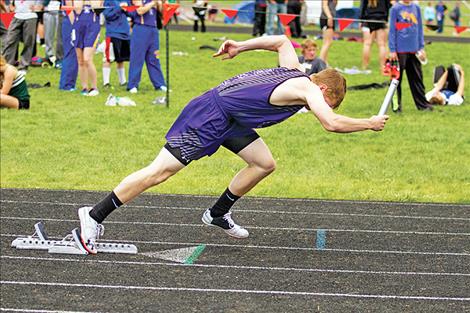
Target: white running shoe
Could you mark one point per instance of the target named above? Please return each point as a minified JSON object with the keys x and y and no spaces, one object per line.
{"x":93,"y":92}
{"x":226,"y":223}
{"x":111,"y":101}
{"x":133,"y":90}
{"x":90,"y":230}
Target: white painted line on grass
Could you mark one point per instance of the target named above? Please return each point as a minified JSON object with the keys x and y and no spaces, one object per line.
{"x":266,"y":211}
{"x":268,"y":247}
{"x":249,"y":227}
{"x":239,"y":267}
{"x":42,"y":311}
{"x":242,"y":291}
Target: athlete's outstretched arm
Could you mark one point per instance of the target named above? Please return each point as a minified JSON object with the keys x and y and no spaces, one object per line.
{"x":281,"y":44}
{"x":335,"y":122}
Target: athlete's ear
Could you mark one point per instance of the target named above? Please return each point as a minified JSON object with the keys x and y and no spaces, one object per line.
{"x":322,"y":87}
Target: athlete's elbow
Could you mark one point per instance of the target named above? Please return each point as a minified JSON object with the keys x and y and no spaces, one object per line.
{"x":331,"y":125}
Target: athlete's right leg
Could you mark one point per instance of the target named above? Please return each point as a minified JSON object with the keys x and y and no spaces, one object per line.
{"x":163,"y":167}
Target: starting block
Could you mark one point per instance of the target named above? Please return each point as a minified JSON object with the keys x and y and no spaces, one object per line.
{"x":69,"y":245}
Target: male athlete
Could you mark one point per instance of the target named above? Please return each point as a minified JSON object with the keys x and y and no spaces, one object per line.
{"x":227,"y":116}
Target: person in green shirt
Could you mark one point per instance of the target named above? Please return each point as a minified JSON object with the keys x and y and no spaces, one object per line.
{"x":14,"y":91}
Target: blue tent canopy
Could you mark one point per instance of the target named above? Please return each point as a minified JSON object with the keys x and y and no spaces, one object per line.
{"x":245,"y":15}
{"x":353,"y":13}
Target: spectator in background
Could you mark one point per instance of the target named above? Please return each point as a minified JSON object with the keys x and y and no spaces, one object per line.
{"x":275,"y":7}
{"x":374,"y":10}
{"x":309,"y":60}
{"x":429,"y":14}
{"x":448,"y":91}
{"x":86,"y":30}
{"x":14,"y":91}
{"x":295,"y":7}
{"x":212,"y":13}
{"x":117,"y":40}
{"x":455,"y":14}
{"x":404,"y":45}
{"x":3,"y":29}
{"x":22,"y":28}
{"x":145,"y":46}
{"x":327,"y":25}
{"x":51,"y":21}
{"x":260,"y":18}
{"x":441,"y":10}
{"x":69,"y":72}
{"x":200,"y":8}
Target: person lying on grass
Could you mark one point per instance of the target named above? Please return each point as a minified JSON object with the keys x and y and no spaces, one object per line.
{"x":13,"y":85}
{"x":227,"y":116}
{"x":449,"y":88}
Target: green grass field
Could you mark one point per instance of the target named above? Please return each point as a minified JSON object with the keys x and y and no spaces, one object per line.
{"x":67,"y":141}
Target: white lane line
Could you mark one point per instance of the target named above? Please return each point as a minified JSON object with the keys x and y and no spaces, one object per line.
{"x":249,"y":227}
{"x":242,"y":291}
{"x":451,"y":205}
{"x":263,"y":211}
{"x":267,"y":247}
{"x":239,"y":267}
{"x":42,"y":311}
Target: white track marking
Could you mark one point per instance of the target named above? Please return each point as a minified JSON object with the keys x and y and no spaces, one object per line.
{"x":242,"y":291}
{"x":40,"y":311}
{"x":304,"y":200}
{"x":249,"y":227}
{"x":239,"y":267}
{"x":264,"y":211}
{"x":270,"y":247}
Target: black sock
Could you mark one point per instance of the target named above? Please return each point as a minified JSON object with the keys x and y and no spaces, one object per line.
{"x":105,"y":207}
{"x":223,"y":205}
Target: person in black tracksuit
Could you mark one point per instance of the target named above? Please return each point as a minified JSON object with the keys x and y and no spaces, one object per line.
{"x":295,"y":7}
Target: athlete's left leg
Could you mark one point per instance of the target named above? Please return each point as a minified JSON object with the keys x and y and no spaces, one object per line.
{"x":260,"y":163}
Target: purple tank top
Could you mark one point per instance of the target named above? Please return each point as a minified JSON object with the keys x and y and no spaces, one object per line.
{"x":245,"y":97}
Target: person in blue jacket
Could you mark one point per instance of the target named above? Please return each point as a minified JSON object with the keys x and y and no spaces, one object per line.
{"x":145,"y":46}
{"x":404,"y":44}
{"x":118,"y":37}
{"x":69,"y":72}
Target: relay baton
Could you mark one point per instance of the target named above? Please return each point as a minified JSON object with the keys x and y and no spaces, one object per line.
{"x":388,"y":97}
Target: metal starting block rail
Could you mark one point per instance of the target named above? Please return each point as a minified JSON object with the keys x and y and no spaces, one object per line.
{"x":69,"y":245}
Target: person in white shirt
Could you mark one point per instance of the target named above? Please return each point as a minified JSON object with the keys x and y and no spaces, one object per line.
{"x":51,"y":22}
{"x":22,"y":28}
{"x":445,"y":93}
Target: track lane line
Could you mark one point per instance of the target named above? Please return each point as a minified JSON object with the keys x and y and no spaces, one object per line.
{"x":240,"y":267}
{"x":271,"y":247}
{"x":242,"y":291}
{"x":262,"y":211}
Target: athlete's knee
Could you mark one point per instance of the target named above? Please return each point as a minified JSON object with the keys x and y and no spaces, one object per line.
{"x":267,"y":166}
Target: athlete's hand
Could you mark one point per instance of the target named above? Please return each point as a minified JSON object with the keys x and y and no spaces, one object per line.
{"x":393,"y":56}
{"x":229,"y":49}
{"x":378,"y":122}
